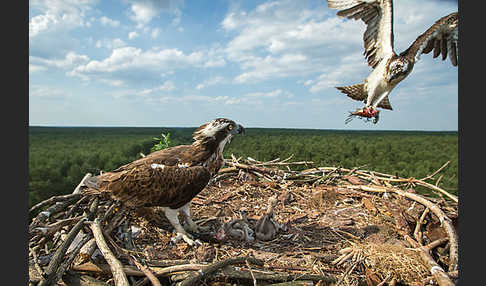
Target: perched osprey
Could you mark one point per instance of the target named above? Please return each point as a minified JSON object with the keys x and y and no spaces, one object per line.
{"x":389,"y":68}
{"x":171,"y":177}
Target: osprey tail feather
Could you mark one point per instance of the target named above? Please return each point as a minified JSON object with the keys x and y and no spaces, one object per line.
{"x":355,"y":91}
{"x":358,"y":92}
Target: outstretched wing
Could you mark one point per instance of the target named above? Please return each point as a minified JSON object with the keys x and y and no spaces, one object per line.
{"x":378,"y":17}
{"x":441,"y":37}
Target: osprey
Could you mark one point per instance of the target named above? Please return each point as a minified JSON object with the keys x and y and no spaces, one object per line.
{"x":171,"y":177}
{"x":389,"y":68}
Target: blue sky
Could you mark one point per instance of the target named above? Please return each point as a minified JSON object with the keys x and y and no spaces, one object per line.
{"x":181,"y":63}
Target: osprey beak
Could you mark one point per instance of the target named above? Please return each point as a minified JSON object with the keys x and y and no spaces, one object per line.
{"x":240,"y":129}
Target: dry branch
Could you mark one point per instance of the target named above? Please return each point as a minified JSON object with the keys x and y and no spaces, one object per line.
{"x":218,"y":265}
{"x":51,"y":270}
{"x":435,"y":269}
{"x":115,"y":265}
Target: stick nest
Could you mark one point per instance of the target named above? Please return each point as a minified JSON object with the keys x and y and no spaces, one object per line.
{"x":339,"y":227}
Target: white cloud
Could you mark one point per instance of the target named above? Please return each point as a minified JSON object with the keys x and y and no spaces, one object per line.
{"x":47,"y":92}
{"x":210,"y":82}
{"x":134,"y":64}
{"x":350,"y":69}
{"x":36,"y":68}
{"x":71,"y":60}
{"x":132,"y":35}
{"x":58,"y":15}
{"x":285,"y":38}
{"x":154,"y":92}
{"x":110,"y":43}
{"x":143,"y":12}
{"x":130,"y":57}
{"x":112,"y":82}
{"x":257,"y":98}
{"x":155,"y":33}
{"x":105,"y":21}
{"x":274,"y":93}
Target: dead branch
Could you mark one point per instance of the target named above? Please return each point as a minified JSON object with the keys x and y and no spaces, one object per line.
{"x":435,"y":269}
{"x":115,"y":265}
{"x":53,"y":200}
{"x":59,"y":254}
{"x":146,"y":271}
{"x":218,"y":265}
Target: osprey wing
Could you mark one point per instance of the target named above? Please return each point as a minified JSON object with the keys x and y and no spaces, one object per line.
{"x":441,"y":37}
{"x":155,"y":184}
{"x":169,"y":157}
{"x":169,"y":177}
{"x":378,"y":17}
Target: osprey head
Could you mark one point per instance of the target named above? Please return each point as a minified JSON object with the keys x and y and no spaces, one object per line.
{"x":398,"y":69}
{"x":220,"y":130}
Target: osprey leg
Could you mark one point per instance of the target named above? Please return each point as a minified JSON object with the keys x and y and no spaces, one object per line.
{"x":191,"y":225}
{"x":171,"y":215}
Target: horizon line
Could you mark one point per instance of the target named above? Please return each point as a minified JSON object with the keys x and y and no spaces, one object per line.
{"x":306,"y":128}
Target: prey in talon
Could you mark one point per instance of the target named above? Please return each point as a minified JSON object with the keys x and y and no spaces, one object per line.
{"x":366,"y":113}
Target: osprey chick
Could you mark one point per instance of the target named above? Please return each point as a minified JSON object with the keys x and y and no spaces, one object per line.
{"x":389,"y":68}
{"x":171,"y":177}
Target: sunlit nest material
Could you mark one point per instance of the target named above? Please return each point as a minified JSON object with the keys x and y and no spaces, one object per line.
{"x":336,"y":225}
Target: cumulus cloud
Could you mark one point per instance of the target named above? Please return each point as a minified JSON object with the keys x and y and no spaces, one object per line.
{"x":110,"y":43}
{"x":210,"y":82}
{"x":134,"y":64}
{"x":71,"y":60}
{"x":284,"y":38}
{"x":156,"y":92}
{"x":36,"y":68}
{"x":143,"y":12}
{"x":47,"y":92}
{"x":257,"y":98}
{"x":55,"y":15}
{"x":105,"y":21}
{"x":132,"y":35}
{"x":155,"y":33}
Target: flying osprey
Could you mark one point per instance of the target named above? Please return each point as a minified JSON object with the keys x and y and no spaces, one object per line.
{"x":171,"y":177}
{"x":389,"y":68}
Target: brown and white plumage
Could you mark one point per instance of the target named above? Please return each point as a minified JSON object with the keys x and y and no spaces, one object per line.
{"x":172,"y":177}
{"x":388,"y":67}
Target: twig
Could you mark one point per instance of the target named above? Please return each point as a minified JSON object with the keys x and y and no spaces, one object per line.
{"x":445,"y":220}
{"x":36,"y":263}
{"x":251,"y":272}
{"x":439,"y":274}
{"x":115,"y":265}
{"x":53,"y":200}
{"x":217,"y":265}
{"x":146,"y":271}
{"x":436,"y":243}
{"x":77,"y":190}
{"x":417,"y":234}
{"x":59,"y":254}
{"x":65,"y":265}
{"x":435,"y":173}
{"x":133,"y":271}
{"x":54,"y":209}
{"x":348,"y":271}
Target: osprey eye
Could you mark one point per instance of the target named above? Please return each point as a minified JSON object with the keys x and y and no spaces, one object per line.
{"x":230,"y":127}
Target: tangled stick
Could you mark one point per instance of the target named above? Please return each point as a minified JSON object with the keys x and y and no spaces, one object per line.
{"x":446,"y":222}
